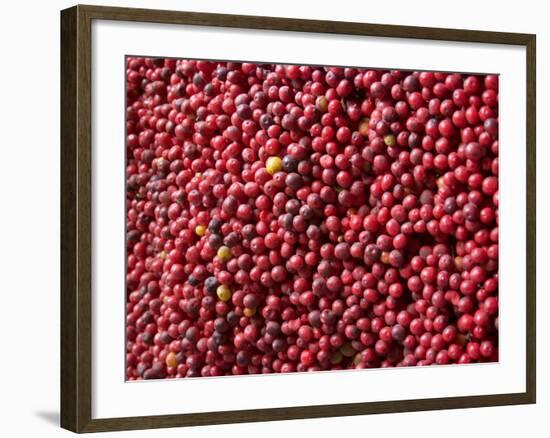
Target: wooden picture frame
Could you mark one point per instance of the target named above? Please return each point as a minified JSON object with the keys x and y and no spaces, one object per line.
{"x":76,"y":173}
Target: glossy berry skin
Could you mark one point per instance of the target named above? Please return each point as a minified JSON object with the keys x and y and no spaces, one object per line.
{"x":294,"y":218}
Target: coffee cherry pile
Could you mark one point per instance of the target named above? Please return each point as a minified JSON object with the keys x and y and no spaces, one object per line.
{"x":289,"y":218}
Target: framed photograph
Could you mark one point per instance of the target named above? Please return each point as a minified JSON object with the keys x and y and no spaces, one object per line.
{"x":269,"y":218}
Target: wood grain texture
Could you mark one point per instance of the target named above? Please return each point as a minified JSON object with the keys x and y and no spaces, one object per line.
{"x":84,"y":217}
{"x":299,"y":25}
{"x":76,"y":186}
{"x":296,"y":413}
{"x":69,"y":327}
{"x":531,"y":246}
{"x":76,"y":223}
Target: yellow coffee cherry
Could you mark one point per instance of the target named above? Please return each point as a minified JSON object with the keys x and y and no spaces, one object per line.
{"x":171,"y":360}
{"x":389,"y":140}
{"x":249,"y":311}
{"x":364,"y":126}
{"x":273,"y":165}
{"x":459,"y":263}
{"x":223,"y":292}
{"x":224,"y":253}
{"x":322,"y":104}
{"x":200,"y":230}
{"x":385,"y":257}
{"x":347,"y":350}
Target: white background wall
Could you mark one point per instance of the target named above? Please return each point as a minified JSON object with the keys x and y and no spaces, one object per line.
{"x":29,"y":209}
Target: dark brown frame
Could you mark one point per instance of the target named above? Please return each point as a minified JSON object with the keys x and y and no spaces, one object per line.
{"x":76,"y":168}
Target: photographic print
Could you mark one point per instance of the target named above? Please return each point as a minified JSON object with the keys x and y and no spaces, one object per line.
{"x":291,"y":218}
{"x":298,"y":218}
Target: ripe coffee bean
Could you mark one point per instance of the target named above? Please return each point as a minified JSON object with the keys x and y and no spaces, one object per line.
{"x":291,"y":218}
